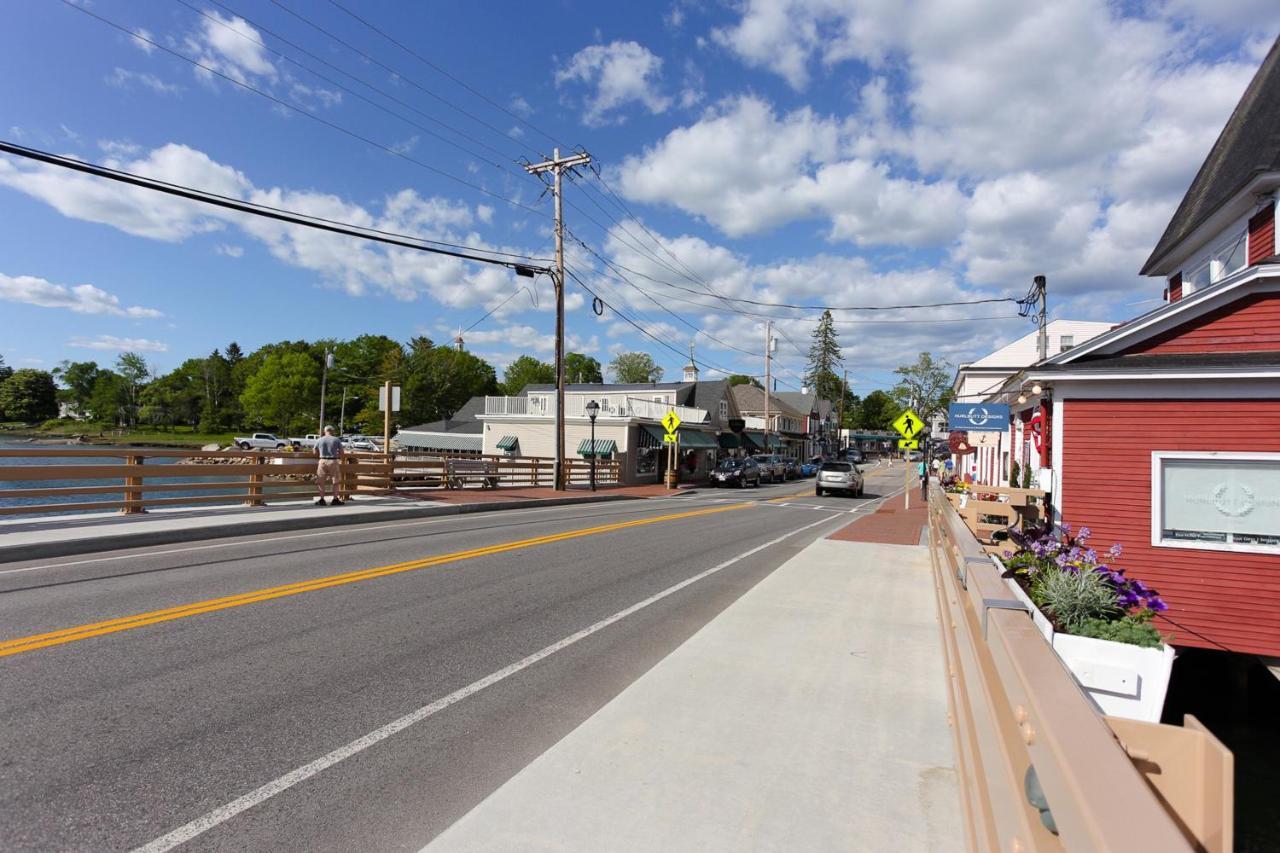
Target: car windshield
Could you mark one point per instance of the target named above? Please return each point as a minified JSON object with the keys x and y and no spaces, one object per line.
{"x":730,"y":464}
{"x":844,"y":467}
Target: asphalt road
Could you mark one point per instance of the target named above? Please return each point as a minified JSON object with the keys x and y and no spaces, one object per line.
{"x":355,"y":688}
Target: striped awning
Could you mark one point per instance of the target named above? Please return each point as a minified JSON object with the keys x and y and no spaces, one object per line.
{"x":440,"y":440}
{"x":730,"y":440}
{"x":692,"y":439}
{"x":508,"y":442}
{"x":649,"y":436}
{"x":603,"y":447}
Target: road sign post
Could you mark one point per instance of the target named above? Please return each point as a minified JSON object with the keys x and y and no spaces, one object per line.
{"x":671,"y":423}
{"x":908,"y":426}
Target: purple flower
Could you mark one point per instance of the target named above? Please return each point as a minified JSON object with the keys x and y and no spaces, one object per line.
{"x":1157,"y":605}
{"x":1084,"y":534}
{"x":1115,"y":551}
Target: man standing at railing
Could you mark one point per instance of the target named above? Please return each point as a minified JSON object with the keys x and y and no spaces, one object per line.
{"x":329,"y":449}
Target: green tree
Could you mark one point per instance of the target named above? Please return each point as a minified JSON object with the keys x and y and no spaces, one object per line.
{"x":526,"y":370}
{"x":924,"y":387}
{"x":635,"y":368}
{"x":581,"y":369}
{"x":743,"y":379}
{"x":437,"y":380}
{"x":5,"y":370}
{"x":282,"y":392}
{"x":823,"y":372}
{"x":107,"y":401}
{"x":234,"y":354}
{"x":78,"y":377}
{"x":135,"y":372}
{"x":29,"y":395}
{"x":878,"y":411}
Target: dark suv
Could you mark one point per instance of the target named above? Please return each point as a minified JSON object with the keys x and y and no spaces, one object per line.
{"x":736,"y":472}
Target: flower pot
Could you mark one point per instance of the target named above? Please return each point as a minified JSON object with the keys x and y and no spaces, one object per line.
{"x":1122,"y":679}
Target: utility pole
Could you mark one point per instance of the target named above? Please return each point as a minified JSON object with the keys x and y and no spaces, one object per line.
{"x":1042,"y":296}
{"x":557,"y":165}
{"x":342,"y":413}
{"x":844,"y":392}
{"x":324,"y":381}
{"x":768,"y":353}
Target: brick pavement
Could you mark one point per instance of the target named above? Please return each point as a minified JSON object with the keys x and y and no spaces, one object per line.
{"x":890,"y":524}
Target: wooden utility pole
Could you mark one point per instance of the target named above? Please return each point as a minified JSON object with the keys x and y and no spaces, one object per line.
{"x":768,"y":354}
{"x":844,"y":392}
{"x":557,"y":165}
{"x":1042,"y":320}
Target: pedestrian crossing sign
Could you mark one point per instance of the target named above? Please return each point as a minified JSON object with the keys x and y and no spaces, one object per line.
{"x":908,"y":424}
{"x":908,"y":444}
{"x":670,"y":438}
{"x":671,"y":421}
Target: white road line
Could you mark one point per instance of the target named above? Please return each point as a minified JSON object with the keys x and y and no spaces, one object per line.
{"x":220,"y":815}
{"x":354,"y":528}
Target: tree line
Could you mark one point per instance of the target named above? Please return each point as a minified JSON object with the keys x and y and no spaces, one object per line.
{"x":278,"y":386}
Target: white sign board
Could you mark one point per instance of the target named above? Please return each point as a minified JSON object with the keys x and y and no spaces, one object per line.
{"x":1220,"y":500}
{"x":395,"y":398}
{"x":984,"y":438}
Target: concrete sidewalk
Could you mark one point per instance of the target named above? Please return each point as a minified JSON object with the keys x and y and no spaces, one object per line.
{"x":809,"y":715}
{"x":56,"y":536}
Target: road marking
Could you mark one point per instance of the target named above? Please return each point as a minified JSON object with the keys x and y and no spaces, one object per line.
{"x":182,"y":611}
{"x":359,"y":528}
{"x":220,"y":815}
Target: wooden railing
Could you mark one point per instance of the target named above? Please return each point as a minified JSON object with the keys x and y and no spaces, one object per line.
{"x":1023,"y":727}
{"x":147,"y":478}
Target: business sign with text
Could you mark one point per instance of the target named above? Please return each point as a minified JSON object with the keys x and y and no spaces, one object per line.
{"x":978,"y":416}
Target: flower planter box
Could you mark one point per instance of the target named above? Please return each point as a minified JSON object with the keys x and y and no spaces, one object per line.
{"x":1124,"y":680}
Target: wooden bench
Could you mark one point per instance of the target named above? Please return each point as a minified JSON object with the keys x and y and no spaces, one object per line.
{"x":462,"y":471}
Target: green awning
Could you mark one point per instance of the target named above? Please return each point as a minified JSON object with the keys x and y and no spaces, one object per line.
{"x":692,"y":439}
{"x":649,"y":436}
{"x":730,"y":440}
{"x":755,"y":441}
{"x":603,"y":447}
{"x":508,"y":442}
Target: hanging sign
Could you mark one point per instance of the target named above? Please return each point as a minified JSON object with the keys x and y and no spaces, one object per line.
{"x":978,"y":416}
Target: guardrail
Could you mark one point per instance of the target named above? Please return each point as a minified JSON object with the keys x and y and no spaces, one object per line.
{"x":1039,"y":767}
{"x":241,"y":476}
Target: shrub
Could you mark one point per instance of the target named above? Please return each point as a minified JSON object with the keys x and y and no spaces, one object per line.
{"x":1071,"y":597}
{"x":1133,"y":628}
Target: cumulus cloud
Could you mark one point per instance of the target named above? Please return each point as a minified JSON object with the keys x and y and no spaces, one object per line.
{"x":81,"y":298}
{"x":111,"y":343}
{"x":619,"y":73}
{"x":231,"y":46}
{"x":122,"y":78}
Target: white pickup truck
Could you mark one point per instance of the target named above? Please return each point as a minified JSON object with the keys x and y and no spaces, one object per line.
{"x":306,"y":442}
{"x":260,"y":441}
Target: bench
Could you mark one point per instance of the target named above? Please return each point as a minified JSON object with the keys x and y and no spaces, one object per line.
{"x":459,"y":472}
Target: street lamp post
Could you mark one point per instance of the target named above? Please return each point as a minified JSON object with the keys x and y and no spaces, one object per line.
{"x":593,"y":409}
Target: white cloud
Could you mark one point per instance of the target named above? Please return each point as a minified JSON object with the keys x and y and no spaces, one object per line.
{"x":621,"y":72}
{"x":111,"y":343}
{"x":230,"y":46}
{"x":81,"y":298}
{"x":143,"y":40}
{"x":123,"y":79}
{"x":230,"y":250}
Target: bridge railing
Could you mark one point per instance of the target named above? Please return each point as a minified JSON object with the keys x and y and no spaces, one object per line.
{"x":80,"y":479}
{"x":1034,"y":753}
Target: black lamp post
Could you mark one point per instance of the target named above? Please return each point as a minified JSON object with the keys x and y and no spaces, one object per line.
{"x":593,"y":409}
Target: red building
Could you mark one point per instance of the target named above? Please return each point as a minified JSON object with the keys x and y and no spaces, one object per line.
{"x":1163,"y":434}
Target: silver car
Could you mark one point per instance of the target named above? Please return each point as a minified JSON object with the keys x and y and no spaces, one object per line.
{"x":772,"y":468}
{"x":839,"y":477}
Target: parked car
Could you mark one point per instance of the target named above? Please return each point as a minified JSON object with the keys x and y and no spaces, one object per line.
{"x":260,"y":441}
{"x":790,"y":467}
{"x":839,"y":477}
{"x":771,"y":468}
{"x":915,"y":456}
{"x":808,"y":469}
{"x":855,"y":456}
{"x":736,"y":472}
{"x":306,"y":442}
{"x":359,"y":442}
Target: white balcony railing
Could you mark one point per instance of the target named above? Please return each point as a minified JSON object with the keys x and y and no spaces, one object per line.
{"x":615,"y":406}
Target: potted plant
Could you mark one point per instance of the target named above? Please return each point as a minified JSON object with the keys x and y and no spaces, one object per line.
{"x":1098,"y":620}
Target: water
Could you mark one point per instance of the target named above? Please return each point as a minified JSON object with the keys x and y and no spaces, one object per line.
{"x":213,"y":476}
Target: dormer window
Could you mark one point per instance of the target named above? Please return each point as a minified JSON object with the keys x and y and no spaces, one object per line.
{"x":1066,"y":342}
{"x":1196,"y":278}
{"x":1228,"y":258}
{"x":724,"y":410}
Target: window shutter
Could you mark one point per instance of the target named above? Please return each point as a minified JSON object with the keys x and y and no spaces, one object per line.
{"x":1175,"y":287}
{"x":1262,"y":234}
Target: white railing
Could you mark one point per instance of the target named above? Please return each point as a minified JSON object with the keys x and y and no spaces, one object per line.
{"x":575,"y":407}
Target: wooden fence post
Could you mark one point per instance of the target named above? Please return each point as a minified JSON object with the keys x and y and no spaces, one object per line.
{"x":133,"y":485}
{"x":255,"y":482}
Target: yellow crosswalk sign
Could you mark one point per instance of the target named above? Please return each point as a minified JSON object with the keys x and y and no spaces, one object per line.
{"x":908,"y":424}
{"x":671,"y":421}
{"x":908,"y":444}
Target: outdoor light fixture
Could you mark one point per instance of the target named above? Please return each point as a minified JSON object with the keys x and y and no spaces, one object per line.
{"x":593,"y":409}
{"x":1022,"y":398}
{"x":1036,"y":389}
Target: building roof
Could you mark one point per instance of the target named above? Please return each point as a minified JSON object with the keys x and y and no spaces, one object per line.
{"x":463,"y":421}
{"x":605,"y":387}
{"x":1176,"y":361}
{"x":708,"y":394}
{"x":751,"y":399}
{"x":1248,"y":146}
{"x":801,"y":401}
{"x":1025,"y":350}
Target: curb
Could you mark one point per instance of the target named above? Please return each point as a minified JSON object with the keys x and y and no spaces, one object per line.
{"x":143,"y":539}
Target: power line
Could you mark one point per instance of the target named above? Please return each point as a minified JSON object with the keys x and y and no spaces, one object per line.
{"x":399,"y":74}
{"x":279,"y":214}
{"x":348,"y":74}
{"x":440,"y":70}
{"x":295,"y":108}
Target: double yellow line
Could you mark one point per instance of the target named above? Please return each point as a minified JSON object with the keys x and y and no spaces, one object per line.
{"x":182,"y":611}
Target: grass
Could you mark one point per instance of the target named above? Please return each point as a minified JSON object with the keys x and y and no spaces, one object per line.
{"x":106,"y":434}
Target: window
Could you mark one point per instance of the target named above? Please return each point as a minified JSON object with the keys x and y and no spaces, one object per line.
{"x":646,"y":460}
{"x":724,"y":410}
{"x":1228,"y":258}
{"x":1196,"y":279}
{"x":1216,"y":501}
{"x":1066,"y":342}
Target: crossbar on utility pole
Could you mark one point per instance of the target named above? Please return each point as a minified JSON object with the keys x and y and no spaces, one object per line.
{"x":556,"y":166}
{"x":1042,"y":321}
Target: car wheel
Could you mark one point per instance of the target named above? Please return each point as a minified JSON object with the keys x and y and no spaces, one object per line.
{"x":818,"y":491}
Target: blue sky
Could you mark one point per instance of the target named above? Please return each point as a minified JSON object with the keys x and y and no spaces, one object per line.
{"x":793,"y":151}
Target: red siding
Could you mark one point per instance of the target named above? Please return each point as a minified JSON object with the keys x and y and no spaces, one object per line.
{"x":1250,"y":325}
{"x":1218,"y":598}
{"x":1175,"y":287}
{"x":1262,"y":234}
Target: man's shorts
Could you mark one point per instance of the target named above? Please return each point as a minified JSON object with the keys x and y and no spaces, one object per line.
{"x":327,"y":471}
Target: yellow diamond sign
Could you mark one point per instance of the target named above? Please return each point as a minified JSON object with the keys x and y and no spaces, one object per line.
{"x":909,"y":424}
{"x":671,"y":421}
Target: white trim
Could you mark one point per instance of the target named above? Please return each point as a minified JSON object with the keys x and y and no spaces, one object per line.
{"x":1255,"y":279}
{"x":1148,"y":388}
{"x":1217,"y":375}
{"x":1247,"y":199}
{"x":1157,"y":499}
{"x":1055,"y":461}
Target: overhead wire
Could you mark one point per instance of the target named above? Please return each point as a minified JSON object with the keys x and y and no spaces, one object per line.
{"x":301,"y":111}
